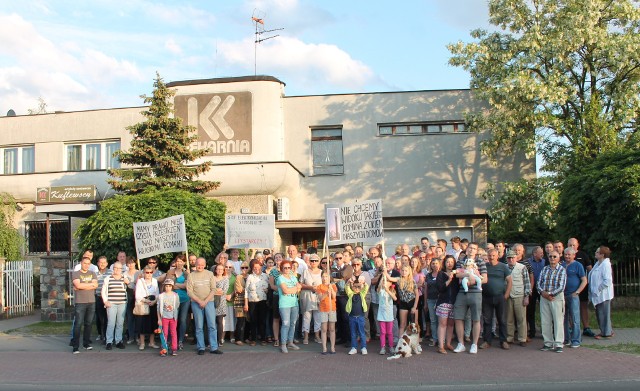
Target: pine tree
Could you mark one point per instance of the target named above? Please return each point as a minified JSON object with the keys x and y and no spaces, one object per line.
{"x":159,"y":153}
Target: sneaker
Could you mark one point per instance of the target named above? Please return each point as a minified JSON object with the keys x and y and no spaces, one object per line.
{"x":383,"y":351}
{"x":473,"y":349}
{"x":558,"y":349}
{"x":575,"y":345}
{"x":163,"y":354}
{"x":129,"y":342}
{"x":460,"y":348}
{"x":566,"y":343}
{"x":120,"y":345}
{"x":98,"y":338}
{"x":588,"y":332}
{"x":364,"y":351}
{"x":546,"y":348}
{"x":180,"y":346}
{"x":283,"y":348}
{"x":353,"y":351}
{"x":233,"y":340}
{"x":88,"y":347}
{"x":173,"y":353}
{"x":217,"y":351}
{"x":109,"y":346}
{"x":293,"y":346}
{"x":76,"y":351}
{"x":201,"y":352}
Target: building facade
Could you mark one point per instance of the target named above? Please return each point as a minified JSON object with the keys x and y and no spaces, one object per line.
{"x":272,"y":153}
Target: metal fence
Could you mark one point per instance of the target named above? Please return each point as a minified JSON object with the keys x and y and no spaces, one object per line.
{"x":17,"y":292}
{"x":626,"y":276}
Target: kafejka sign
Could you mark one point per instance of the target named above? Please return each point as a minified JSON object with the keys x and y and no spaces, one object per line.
{"x":223,"y":121}
{"x":66,"y":194}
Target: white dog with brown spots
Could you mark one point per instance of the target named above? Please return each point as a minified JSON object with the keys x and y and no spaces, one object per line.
{"x":408,"y":344}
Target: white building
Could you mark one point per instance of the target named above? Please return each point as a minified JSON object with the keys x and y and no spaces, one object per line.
{"x":273,"y":153}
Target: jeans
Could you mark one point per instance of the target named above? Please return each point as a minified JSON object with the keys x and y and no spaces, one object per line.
{"x":356,"y":325}
{"x":433,"y":319}
{"x":209,"y":311}
{"x":84,"y":313}
{"x":183,"y":314}
{"x":494,"y":305}
{"x":115,"y":320}
{"x":572,"y":315}
{"x":288,"y":319}
{"x":603,"y":315}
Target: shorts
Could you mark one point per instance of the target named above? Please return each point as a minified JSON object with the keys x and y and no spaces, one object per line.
{"x":330,"y":316}
{"x":275,"y":306}
{"x":471,"y":301}
{"x":444,"y":310}
{"x":408,"y":306}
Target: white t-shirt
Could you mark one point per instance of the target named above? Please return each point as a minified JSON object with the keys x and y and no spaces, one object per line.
{"x":92,"y":268}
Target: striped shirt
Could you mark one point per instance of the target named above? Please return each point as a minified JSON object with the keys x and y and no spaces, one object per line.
{"x":101,"y":277}
{"x":116,"y":290}
{"x":552,"y":280}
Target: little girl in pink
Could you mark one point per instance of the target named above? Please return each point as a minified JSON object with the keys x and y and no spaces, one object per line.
{"x":386,"y":297}
{"x":168,"y":303}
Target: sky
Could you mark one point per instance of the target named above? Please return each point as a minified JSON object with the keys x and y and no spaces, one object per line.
{"x":80,"y":55}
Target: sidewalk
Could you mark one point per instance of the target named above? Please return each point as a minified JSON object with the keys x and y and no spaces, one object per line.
{"x":16,"y":323}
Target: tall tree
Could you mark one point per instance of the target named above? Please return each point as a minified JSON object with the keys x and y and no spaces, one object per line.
{"x":561,"y":77}
{"x":10,"y":239}
{"x":159,"y":153}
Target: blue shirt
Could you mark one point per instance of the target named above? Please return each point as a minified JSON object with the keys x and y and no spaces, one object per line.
{"x":575,"y":272}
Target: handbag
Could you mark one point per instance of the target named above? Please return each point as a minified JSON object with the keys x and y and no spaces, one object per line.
{"x":141,"y":308}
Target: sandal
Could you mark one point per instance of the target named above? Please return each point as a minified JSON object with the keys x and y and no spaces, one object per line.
{"x":276,"y":343}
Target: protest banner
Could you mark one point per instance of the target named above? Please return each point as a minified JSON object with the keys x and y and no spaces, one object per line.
{"x":161,"y":236}
{"x":357,"y":222}
{"x":250,"y":231}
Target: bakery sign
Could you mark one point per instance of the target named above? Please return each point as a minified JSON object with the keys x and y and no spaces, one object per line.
{"x":66,"y":194}
{"x":222,"y":121}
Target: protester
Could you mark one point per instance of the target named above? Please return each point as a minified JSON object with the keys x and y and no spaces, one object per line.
{"x":289,"y":288}
{"x":114,"y":298}
{"x":168,"y":309}
{"x":147,"y":293}
{"x":601,"y":291}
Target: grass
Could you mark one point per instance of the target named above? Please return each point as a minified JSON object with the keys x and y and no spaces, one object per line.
{"x":620,"y":319}
{"x":630,"y":348}
{"x":44,"y":328}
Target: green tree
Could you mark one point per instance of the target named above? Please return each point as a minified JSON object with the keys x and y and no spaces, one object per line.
{"x":524,"y":211}
{"x":10,"y":239}
{"x":159,"y":153}
{"x":111,"y":228}
{"x":562,"y":77}
{"x":600,"y":202}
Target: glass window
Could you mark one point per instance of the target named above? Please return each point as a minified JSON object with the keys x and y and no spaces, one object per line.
{"x":326,"y":151}
{"x":74,"y":157}
{"x":92,"y":157}
{"x":386,"y":130}
{"x":28,"y":160}
{"x":112,"y":161}
{"x":11,"y":161}
{"x":422,"y":128}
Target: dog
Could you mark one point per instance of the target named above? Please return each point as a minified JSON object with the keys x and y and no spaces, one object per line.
{"x":408,"y":344}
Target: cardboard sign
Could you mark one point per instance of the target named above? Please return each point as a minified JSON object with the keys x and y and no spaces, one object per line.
{"x":250,"y":231}
{"x":350,"y":223}
{"x":161,"y":236}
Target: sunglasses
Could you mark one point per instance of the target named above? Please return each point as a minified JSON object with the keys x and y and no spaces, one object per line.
{"x":338,"y":258}
{"x":148,"y":272}
{"x":314,"y":260}
{"x":244,"y":267}
{"x":323,"y":263}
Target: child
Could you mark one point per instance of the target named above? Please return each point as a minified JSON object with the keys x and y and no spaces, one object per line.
{"x":356,"y":291}
{"x":327,"y":295}
{"x":386,"y":297}
{"x":168,"y":304}
{"x":471,"y":268}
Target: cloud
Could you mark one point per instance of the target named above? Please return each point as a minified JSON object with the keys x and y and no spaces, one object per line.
{"x":306,"y":63}
{"x":172,"y":46}
{"x":68,"y":75}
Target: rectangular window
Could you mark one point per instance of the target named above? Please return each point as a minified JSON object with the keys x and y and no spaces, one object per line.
{"x":92,"y":156}
{"x":403,"y":129}
{"x":326,"y":151}
{"x":17,"y":160}
{"x":36,"y":234}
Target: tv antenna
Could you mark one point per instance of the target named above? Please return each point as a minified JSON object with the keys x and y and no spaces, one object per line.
{"x":258,"y":20}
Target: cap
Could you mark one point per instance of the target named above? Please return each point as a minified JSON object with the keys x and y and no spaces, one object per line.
{"x":511,"y":254}
{"x":314,"y":257}
{"x":168,"y":281}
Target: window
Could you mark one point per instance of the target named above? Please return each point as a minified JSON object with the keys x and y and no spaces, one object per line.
{"x":421,"y":128}
{"x":326,"y":151}
{"x":36,"y":234}
{"x":92,"y":156}
{"x":17,"y":160}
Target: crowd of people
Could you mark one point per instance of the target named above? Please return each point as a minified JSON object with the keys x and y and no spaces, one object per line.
{"x":454,"y":291}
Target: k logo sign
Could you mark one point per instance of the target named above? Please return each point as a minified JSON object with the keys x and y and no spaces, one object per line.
{"x":223,"y":121}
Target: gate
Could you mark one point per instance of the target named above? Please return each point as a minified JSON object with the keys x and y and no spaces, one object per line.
{"x":17,"y":292}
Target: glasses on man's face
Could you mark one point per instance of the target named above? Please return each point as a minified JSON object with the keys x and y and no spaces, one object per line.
{"x":338,"y":258}
{"x":553,"y":256}
{"x":148,"y":272}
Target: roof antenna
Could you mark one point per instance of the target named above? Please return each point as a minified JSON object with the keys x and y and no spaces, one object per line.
{"x":258,"y":20}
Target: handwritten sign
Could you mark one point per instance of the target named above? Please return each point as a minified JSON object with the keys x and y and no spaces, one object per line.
{"x":250,"y":231}
{"x":161,"y":236}
{"x":359,"y":222}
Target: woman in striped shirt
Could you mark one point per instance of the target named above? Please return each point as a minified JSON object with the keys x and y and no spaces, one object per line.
{"x":114,"y":296}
